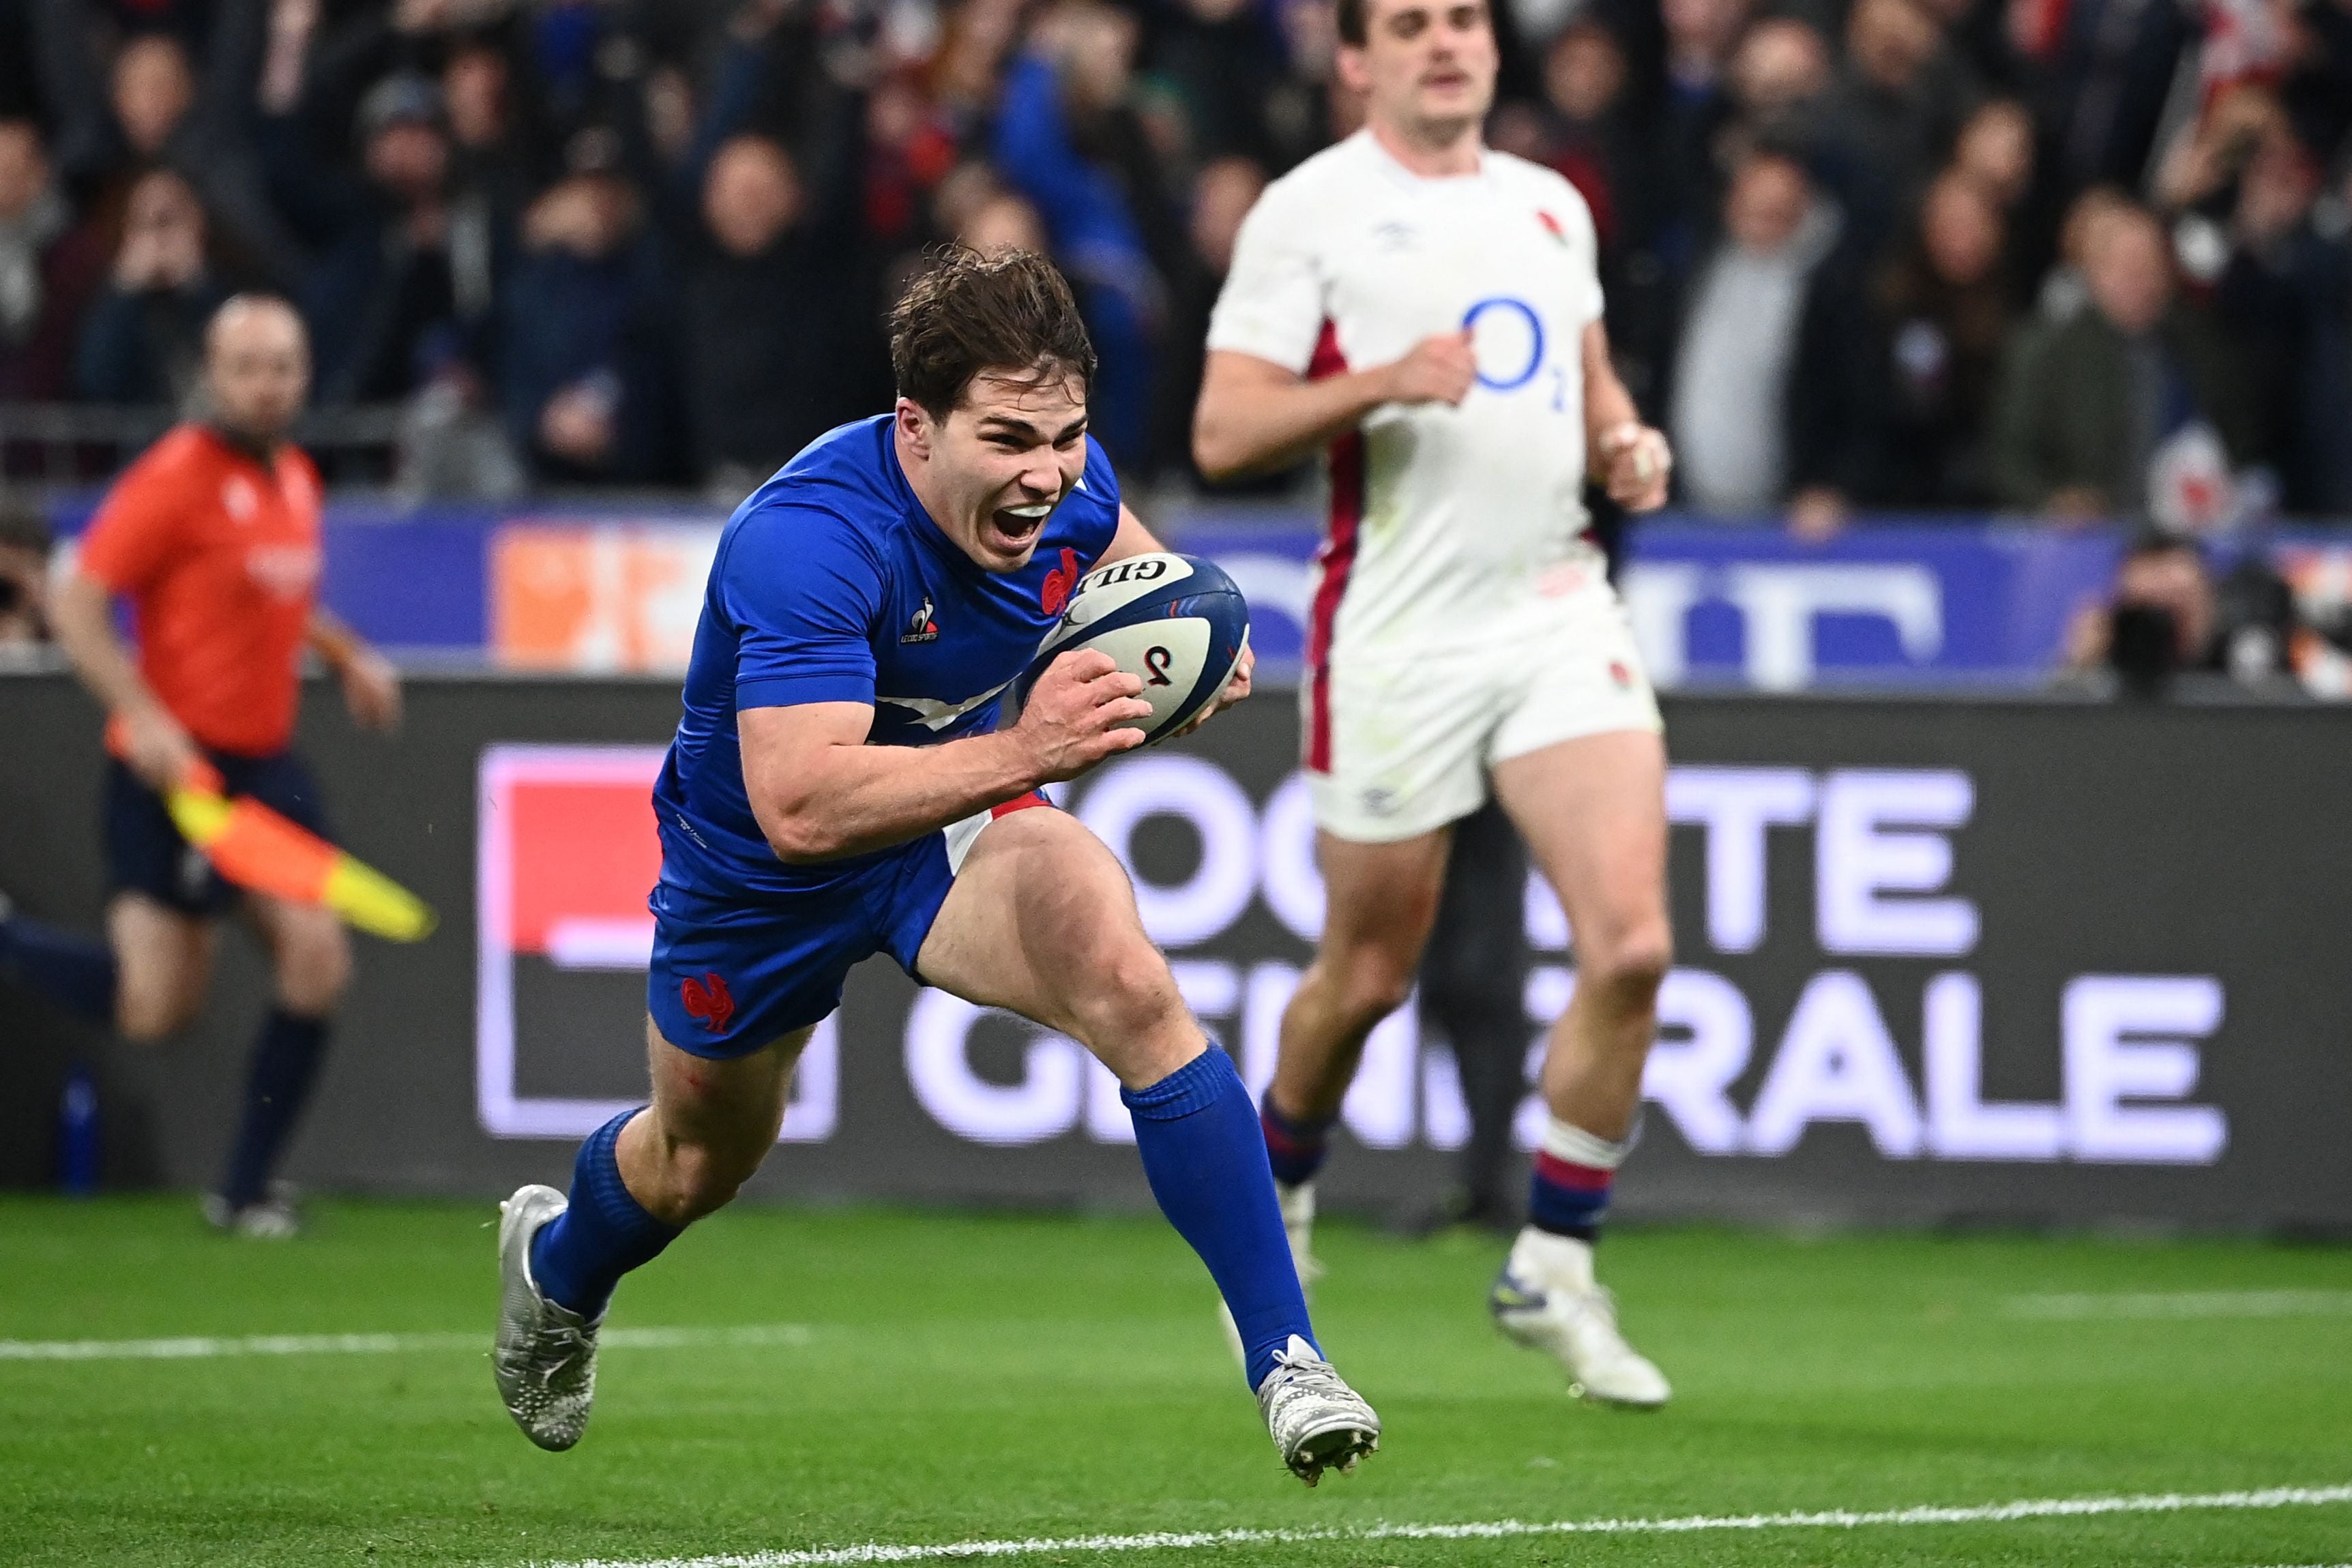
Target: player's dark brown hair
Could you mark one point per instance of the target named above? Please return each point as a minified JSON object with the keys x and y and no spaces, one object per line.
{"x":965,"y":314}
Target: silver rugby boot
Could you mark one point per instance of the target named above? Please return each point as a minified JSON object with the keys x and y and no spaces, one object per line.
{"x":1317,"y":1421}
{"x":545,"y":1355}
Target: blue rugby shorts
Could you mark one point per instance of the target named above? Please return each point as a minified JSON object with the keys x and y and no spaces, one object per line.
{"x":732,"y":975}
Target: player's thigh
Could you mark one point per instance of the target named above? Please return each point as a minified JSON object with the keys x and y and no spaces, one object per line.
{"x":163,"y":964}
{"x":1380,"y":900}
{"x":732,"y":1104}
{"x":309,"y":949}
{"x":1593,"y":811}
{"x":1041,"y":919}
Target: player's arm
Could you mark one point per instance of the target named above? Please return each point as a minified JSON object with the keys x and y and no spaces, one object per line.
{"x":1255,"y":416}
{"x":820,"y":792}
{"x":82,"y":614}
{"x":371,"y":684}
{"x":1134,"y":538}
{"x":1631,"y":459}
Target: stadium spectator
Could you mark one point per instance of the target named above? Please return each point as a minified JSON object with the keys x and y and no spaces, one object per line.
{"x":1001,"y":221}
{"x":766,"y":302}
{"x":2088,"y":404}
{"x":1898,"y":105}
{"x":1995,"y":151}
{"x":1700,"y":37}
{"x":581,"y":377}
{"x":157,"y":118}
{"x":1103,"y":115}
{"x":1222,"y":194}
{"x":2285,"y":296}
{"x":386,"y":283}
{"x":1223,"y":65}
{"x":1762,"y":399}
{"x":143,"y":339}
{"x":1077,"y":69}
{"x":1941,"y":320}
{"x":47,"y":270}
{"x":25,"y":545}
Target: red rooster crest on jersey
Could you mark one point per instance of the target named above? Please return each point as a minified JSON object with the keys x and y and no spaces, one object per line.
{"x":1059,"y":583}
{"x":708,"y":1001}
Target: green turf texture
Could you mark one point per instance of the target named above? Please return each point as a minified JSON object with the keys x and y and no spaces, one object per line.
{"x":971,"y":1376}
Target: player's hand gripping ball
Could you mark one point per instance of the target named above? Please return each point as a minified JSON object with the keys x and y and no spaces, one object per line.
{"x":1176,"y":620}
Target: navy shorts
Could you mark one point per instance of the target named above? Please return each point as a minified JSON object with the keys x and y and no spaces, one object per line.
{"x":733,"y":974}
{"x":145,"y":853}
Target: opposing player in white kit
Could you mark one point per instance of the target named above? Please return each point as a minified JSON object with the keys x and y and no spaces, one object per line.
{"x":1429,"y":310}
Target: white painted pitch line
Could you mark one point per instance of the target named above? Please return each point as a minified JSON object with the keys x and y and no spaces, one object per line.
{"x":2183,"y":1304}
{"x":202,"y":1347}
{"x":1501,"y":1529}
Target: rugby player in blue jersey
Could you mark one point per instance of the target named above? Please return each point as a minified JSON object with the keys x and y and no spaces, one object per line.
{"x":839,"y":786}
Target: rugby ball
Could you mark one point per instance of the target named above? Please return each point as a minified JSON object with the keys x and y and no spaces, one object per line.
{"x":1177,"y":621}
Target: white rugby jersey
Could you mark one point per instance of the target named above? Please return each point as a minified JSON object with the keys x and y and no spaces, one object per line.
{"x":1440,"y":516}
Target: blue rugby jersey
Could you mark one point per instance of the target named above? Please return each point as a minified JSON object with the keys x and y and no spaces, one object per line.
{"x":833,"y":584}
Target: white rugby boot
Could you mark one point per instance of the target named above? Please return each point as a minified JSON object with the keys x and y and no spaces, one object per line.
{"x":1297,"y":1224}
{"x":1317,"y":1421}
{"x":1547,"y":1299}
{"x":545,"y":1355}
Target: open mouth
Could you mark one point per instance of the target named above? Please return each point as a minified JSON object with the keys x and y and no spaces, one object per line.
{"x":1019,"y":525}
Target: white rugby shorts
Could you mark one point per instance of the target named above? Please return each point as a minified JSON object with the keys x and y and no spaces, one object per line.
{"x":1399,"y":742}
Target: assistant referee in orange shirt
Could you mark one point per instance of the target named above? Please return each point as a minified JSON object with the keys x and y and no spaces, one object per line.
{"x":213,"y":537}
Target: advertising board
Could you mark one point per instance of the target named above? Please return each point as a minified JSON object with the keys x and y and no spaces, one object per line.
{"x":1938,"y":961}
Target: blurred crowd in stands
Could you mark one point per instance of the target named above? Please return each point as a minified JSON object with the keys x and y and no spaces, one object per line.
{"x":2071,"y":257}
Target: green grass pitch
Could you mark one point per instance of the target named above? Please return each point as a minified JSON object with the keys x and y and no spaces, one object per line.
{"x":967,"y":1377}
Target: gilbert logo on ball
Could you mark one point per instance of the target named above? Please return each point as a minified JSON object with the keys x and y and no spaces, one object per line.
{"x":1177,"y":621}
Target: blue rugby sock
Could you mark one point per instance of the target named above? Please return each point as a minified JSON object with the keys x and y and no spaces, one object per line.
{"x":579,"y":1256}
{"x":77,"y":973}
{"x":277,"y":1085}
{"x":1199,"y":1137}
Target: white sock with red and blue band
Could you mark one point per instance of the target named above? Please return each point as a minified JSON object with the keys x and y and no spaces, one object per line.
{"x":1574,"y":1171}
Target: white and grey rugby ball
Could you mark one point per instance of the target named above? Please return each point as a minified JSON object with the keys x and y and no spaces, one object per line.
{"x":1177,"y":621}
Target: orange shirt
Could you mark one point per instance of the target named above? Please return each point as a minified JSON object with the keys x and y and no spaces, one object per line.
{"x":219,"y":557}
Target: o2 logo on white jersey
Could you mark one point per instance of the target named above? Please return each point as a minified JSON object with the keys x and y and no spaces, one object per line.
{"x":1508,"y":341}
{"x":1506,"y":309}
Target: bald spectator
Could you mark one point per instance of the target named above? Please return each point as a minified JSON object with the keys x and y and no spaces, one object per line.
{"x":2087,"y":403}
{"x":1763,"y":403}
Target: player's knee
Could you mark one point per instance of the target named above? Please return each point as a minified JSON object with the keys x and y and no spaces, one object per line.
{"x":1631,"y":963}
{"x":150,"y":1019}
{"x":699,"y":1180}
{"x":314,"y":969}
{"x":1128,"y":994}
{"x":1374,"y":986}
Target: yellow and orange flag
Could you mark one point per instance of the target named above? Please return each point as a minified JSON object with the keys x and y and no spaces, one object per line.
{"x":257,"y":848}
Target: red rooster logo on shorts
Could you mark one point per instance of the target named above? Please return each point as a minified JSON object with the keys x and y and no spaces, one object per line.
{"x":708,"y":1001}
